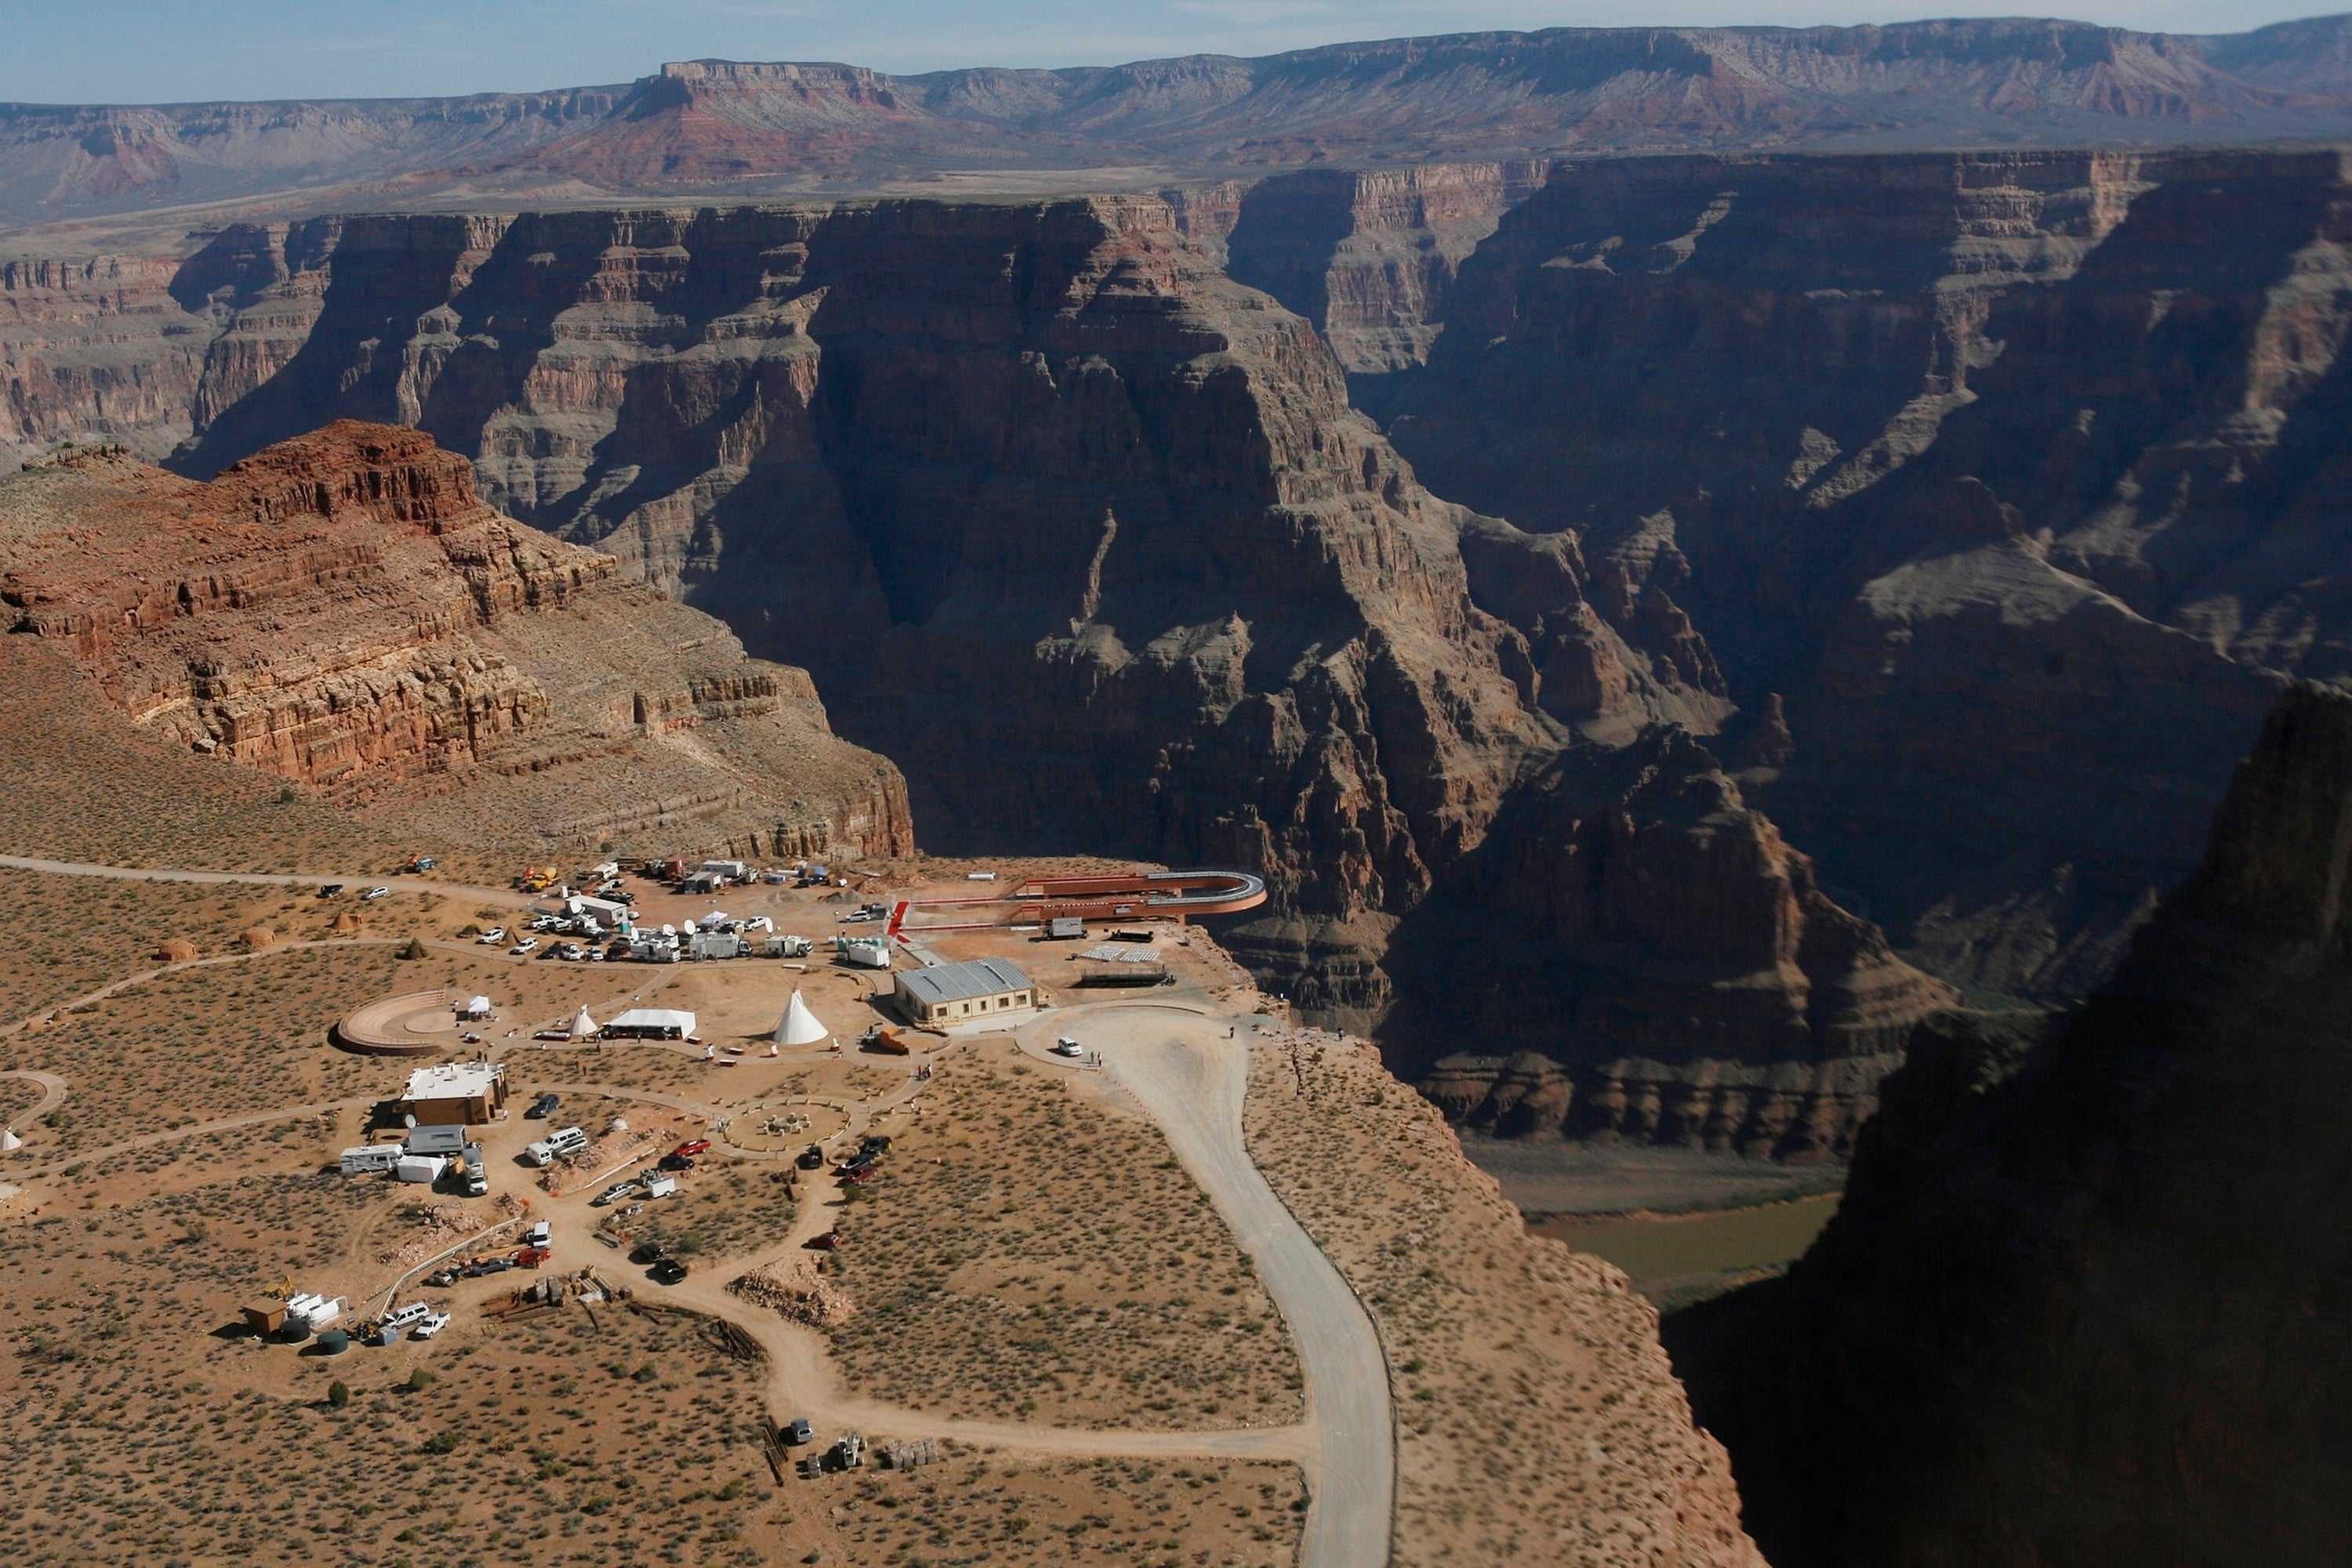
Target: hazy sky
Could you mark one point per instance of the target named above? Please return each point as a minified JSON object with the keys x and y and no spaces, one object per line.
{"x":145,"y":52}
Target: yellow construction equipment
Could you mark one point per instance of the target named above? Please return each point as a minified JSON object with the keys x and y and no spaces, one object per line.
{"x":284,"y":1288}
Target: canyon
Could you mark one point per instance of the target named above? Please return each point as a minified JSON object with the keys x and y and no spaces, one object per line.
{"x":344,"y":612}
{"x":2082,"y":1302}
{"x":1913,"y":491}
{"x":740,"y":129}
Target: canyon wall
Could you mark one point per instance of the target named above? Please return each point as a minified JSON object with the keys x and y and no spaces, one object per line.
{"x":1642,"y":958}
{"x":341,"y":610}
{"x":2084,"y":1302}
{"x":1922,"y":488}
{"x":741,"y":131}
{"x":1989,"y":467}
{"x":1079,"y":529}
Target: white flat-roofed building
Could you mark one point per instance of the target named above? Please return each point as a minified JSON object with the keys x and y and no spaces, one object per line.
{"x":463,"y":1093}
{"x":949,"y":994}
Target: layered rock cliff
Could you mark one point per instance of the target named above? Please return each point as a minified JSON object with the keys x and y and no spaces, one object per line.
{"x":1077,"y":529}
{"x":1992,"y":466}
{"x":1641,"y":957}
{"x":755,"y":129}
{"x":2084,"y":1302}
{"x":343,"y":611}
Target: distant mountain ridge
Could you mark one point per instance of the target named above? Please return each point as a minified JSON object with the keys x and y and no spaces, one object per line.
{"x":734,"y":130}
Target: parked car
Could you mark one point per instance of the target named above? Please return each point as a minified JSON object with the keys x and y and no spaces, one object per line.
{"x":648,"y":1252}
{"x":691,"y":1147}
{"x":676,"y":1163}
{"x":812,"y":1158}
{"x":482,"y":1265}
{"x":569,"y":952}
{"x":328,"y":890}
{"x":430,"y":1326}
{"x":668,"y":1271}
{"x":492,"y":937}
{"x":543,"y":1106}
{"x":614,"y":1193}
{"x":797,"y":1430}
{"x":414,"y":1313}
{"x":1066,"y":1047}
{"x":442,"y":1278}
{"x":374,"y":893}
{"x":879,"y":1142}
{"x":525,"y":947}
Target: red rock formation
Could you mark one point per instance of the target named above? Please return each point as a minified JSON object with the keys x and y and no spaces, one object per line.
{"x":2081,"y":1304}
{"x":344,"y":610}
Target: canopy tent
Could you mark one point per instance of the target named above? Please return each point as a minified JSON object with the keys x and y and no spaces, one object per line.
{"x":799,"y":1026}
{"x":583,"y":1028}
{"x":9,"y":1142}
{"x":477,"y":1008}
{"x":651,"y":1024}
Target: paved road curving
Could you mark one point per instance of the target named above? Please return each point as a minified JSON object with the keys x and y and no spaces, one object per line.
{"x":1192,"y":1080}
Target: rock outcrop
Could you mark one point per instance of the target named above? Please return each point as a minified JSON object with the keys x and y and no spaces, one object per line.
{"x":1668,"y":969}
{"x":95,"y":348}
{"x":2084,"y":1303}
{"x":1992,"y":466}
{"x":343,"y":611}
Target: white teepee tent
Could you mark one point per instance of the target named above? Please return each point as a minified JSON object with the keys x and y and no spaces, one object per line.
{"x":583,"y":1028}
{"x":9,"y":1142}
{"x":799,"y":1025}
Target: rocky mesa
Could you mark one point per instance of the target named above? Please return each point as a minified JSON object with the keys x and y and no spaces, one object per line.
{"x":343,"y":610}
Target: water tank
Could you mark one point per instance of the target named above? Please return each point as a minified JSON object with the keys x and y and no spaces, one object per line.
{"x":334,"y":1341}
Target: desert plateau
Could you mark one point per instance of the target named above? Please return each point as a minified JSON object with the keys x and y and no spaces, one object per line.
{"x":1573,"y":795}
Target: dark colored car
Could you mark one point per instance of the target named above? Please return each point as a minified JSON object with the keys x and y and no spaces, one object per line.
{"x":442,"y":1278}
{"x":543,"y":1106}
{"x":676,"y":1163}
{"x":878,"y":1142}
{"x":482,"y":1265}
{"x":648,"y":1252}
{"x":328,"y":890}
{"x":691,"y":1147}
{"x":668,"y":1271}
{"x":812,"y":1158}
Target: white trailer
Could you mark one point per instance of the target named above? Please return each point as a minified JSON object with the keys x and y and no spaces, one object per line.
{"x":424,"y":1168}
{"x":369,"y":1158}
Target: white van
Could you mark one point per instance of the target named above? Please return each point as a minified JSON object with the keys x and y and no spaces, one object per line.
{"x":414,"y":1313}
{"x":555,"y":1145}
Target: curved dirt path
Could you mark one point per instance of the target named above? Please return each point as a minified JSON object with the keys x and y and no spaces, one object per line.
{"x":506,"y":897}
{"x":1192,"y":1080}
{"x":53,"y":1092}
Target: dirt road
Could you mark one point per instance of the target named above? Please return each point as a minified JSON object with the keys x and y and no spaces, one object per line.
{"x":503,"y":898}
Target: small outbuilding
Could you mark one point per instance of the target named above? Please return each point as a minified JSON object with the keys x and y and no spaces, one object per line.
{"x":651,"y":1024}
{"x":463,"y":1093}
{"x":960,"y":993}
